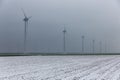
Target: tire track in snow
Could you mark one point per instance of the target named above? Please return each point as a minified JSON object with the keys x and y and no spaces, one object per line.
{"x":64,"y":72}
{"x":86,"y":68}
{"x":87,"y":73}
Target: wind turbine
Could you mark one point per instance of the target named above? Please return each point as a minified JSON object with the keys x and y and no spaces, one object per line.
{"x":83,"y":37}
{"x":100,"y":47}
{"x":64,"y":39}
{"x":93,"y":46}
{"x":26,"y":19}
{"x":105,"y":47}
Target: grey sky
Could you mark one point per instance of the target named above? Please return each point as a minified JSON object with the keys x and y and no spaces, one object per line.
{"x":96,"y":19}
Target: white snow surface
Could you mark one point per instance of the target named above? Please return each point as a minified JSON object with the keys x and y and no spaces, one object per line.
{"x":101,"y":67}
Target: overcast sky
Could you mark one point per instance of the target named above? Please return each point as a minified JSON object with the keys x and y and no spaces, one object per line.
{"x":95,"y":19}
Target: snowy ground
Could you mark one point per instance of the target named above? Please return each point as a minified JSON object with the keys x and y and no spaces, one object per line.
{"x":60,"y":68}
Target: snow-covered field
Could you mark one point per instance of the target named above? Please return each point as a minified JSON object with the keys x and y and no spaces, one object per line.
{"x":60,"y":67}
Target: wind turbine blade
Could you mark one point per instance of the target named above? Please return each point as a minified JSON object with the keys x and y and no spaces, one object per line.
{"x":23,"y":12}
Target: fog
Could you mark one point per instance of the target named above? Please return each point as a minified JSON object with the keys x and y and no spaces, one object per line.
{"x":97,"y":20}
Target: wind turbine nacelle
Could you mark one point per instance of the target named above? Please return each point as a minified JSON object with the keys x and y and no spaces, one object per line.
{"x":64,"y":31}
{"x":25,"y":19}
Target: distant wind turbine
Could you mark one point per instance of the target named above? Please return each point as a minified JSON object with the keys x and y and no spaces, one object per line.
{"x":93,"y":46}
{"x":26,"y":19}
{"x":100,"y":47}
{"x":105,"y":47}
{"x":64,"y":39}
{"x":83,"y":37}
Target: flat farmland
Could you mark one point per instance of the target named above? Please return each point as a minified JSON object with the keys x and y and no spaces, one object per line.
{"x":89,"y":67}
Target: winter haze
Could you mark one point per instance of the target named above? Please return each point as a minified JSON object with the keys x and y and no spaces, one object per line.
{"x":97,"y":20}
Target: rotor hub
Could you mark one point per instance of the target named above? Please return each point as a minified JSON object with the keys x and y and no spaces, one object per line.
{"x":26,"y":19}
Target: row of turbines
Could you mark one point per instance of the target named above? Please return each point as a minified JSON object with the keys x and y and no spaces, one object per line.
{"x":26,"y":20}
{"x":83,"y":41}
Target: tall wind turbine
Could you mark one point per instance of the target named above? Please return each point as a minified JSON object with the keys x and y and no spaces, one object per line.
{"x":105,"y":47}
{"x":100,"y":47}
{"x":93,"y":46}
{"x":26,"y":19}
{"x":64,"y":39}
{"x":83,"y":44}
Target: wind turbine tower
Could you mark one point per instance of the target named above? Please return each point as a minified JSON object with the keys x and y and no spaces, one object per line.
{"x":93,"y":46}
{"x":105,"y":48}
{"x":100,"y":47}
{"x":83,"y":37}
{"x":64,"y":39}
{"x":26,"y":20}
